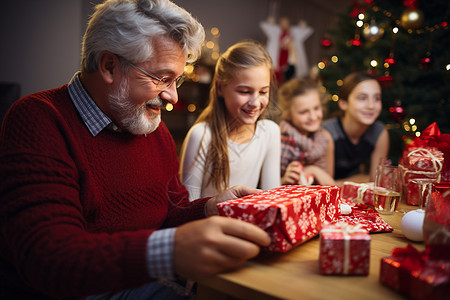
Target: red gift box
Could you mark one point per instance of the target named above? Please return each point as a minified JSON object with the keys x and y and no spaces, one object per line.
{"x":432,"y":137}
{"x":418,"y":163}
{"x":411,"y":273}
{"x":436,"y":224}
{"x":358,"y":192}
{"x":291,"y":214}
{"x":367,"y":217}
{"x":344,"y":249}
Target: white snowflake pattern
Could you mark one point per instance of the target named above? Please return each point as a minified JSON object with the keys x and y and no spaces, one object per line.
{"x":303,"y":222}
{"x":312,"y":218}
{"x":322,"y":213}
{"x":291,"y":229}
{"x":331,"y":212}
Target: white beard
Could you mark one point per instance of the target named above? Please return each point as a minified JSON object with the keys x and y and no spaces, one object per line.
{"x":131,"y":117}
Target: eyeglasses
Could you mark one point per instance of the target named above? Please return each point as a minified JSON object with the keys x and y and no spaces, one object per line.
{"x":164,"y":82}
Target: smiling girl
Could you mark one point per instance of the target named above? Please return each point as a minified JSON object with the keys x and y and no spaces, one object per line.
{"x":358,"y":136}
{"x":230,"y":143}
{"x":306,"y":155}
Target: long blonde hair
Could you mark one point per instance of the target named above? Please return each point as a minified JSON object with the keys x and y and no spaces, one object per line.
{"x":242,"y":55}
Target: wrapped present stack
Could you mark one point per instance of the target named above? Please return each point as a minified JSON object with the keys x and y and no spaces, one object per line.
{"x":291,"y":214}
{"x":344,"y":249}
{"x":427,"y":156}
{"x":413,"y":274}
{"x":424,"y":275}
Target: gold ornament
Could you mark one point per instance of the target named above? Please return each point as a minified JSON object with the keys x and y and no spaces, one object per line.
{"x":412,"y":18}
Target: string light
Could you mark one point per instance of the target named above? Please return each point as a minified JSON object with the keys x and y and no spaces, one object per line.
{"x":169,"y":107}
{"x":191,"y":107}
{"x":373,"y":63}
{"x":334,"y":59}
{"x":321,"y":65}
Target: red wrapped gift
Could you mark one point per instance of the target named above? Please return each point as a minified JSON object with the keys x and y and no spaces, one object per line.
{"x":358,"y":192}
{"x":418,"y":163}
{"x":291,"y":214}
{"x":432,"y":137}
{"x":436,"y":224}
{"x":411,"y":273}
{"x":344,"y":249}
{"x":369,"y":218}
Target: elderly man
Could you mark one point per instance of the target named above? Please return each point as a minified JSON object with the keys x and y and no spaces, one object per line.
{"x":90,"y":200}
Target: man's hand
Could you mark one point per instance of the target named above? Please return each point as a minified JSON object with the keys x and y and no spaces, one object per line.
{"x":237,"y":191}
{"x":215,"y":244}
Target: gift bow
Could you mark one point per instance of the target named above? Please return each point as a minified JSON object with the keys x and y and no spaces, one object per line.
{"x":419,"y":153}
{"x":346,"y":230}
{"x":412,"y":258}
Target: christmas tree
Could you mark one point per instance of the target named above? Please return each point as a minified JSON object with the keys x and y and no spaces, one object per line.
{"x":405,"y":44}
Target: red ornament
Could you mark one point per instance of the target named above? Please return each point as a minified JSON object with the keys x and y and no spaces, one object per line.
{"x":444,"y":24}
{"x":386,"y":81}
{"x":426,"y":62}
{"x":397,"y":112}
{"x":325,"y":43}
{"x":355,"y":42}
{"x":390,"y":61}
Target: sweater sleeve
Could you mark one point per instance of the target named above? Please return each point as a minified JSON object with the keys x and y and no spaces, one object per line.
{"x":270,"y":171}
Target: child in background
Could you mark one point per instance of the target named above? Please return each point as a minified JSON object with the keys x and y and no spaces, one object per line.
{"x":358,"y":136}
{"x":229,"y":144}
{"x":306,"y":149}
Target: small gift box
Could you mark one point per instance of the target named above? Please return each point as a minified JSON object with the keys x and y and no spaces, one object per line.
{"x":344,"y":249}
{"x":291,"y":214}
{"x":411,"y":273}
{"x":358,"y":192}
{"x":419,"y":163}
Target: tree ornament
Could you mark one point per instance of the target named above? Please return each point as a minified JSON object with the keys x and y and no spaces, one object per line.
{"x":325,"y":43}
{"x":397,"y":112}
{"x":386,"y":80}
{"x":372,"y":32}
{"x":412,"y":18}
{"x":390,"y":60}
{"x":426,"y":61}
{"x":356,"y":41}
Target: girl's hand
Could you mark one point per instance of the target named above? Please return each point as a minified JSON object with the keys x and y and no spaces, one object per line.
{"x":292,"y":174}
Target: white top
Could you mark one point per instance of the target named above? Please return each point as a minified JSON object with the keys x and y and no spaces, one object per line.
{"x":254,"y":164}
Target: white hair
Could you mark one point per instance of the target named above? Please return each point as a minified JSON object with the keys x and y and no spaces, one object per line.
{"x":127,"y":27}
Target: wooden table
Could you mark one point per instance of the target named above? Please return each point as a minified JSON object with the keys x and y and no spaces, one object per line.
{"x":296,"y":275}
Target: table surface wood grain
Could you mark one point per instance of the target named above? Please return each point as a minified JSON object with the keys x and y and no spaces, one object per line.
{"x":296,"y":274}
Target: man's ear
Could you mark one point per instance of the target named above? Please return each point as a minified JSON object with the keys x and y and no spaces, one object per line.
{"x":343,"y":104}
{"x":108,"y":64}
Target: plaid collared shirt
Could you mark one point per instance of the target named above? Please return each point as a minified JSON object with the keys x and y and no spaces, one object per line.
{"x":160,"y":243}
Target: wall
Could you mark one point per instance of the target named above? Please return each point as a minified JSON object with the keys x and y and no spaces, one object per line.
{"x":41,"y":40}
{"x":40,"y":47}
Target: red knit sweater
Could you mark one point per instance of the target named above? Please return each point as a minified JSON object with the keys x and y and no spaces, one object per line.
{"x":76,"y":210}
